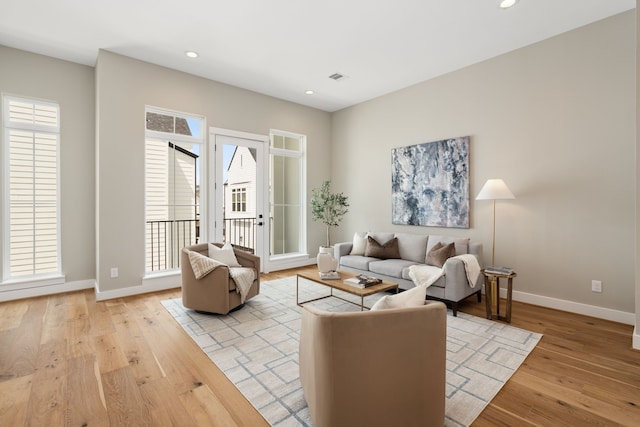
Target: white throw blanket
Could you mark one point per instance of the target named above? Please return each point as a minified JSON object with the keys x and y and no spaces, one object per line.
{"x":243,"y":277}
{"x":426,"y":275}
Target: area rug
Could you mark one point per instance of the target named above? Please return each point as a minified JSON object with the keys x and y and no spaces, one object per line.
{"x":257,"y":349}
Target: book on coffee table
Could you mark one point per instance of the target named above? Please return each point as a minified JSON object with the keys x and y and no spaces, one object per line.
{"x":362,"y":281}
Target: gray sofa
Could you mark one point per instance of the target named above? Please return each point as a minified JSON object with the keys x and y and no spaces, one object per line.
{"x":451,"y":288}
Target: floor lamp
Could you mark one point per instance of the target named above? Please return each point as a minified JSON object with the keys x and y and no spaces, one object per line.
{"x":494,"y":189}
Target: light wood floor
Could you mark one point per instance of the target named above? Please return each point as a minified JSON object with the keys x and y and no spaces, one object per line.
{"x":69,"y":360}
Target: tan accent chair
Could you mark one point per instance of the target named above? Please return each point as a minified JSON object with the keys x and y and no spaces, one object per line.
{"x":375,"y":368}
{"x":215,"y":292}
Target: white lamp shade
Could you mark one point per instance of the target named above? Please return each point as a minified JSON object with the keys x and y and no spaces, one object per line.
{"x":495,"y":189}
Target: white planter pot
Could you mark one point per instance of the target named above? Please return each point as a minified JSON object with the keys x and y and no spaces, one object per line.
{"x":326,"y":261}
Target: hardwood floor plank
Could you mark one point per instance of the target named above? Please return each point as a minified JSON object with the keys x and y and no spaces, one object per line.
{"x":125,"y":405}
{"x":579,"y":405}
{"x":85,"y":396}
{"x":135,"y":348}
{"x":156,"y":394}
{"x":14,"y":397}
{"x":20,"y":345}
{"x":109,"y":352}
{"x":47,"y":404}
{"x":11,"y":313}
{"x":207,"y":408}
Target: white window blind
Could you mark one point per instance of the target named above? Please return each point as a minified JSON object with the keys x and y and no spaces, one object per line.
{"x":30,"y":162}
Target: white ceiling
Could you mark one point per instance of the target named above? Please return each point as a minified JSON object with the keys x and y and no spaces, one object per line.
{"x":284,"y":47}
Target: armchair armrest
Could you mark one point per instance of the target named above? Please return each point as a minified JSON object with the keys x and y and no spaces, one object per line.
{"x":247,"y":259}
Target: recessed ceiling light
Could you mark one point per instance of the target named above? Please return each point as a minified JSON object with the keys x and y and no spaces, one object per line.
{"x":506,"y":4}
{"x":191,"y":54}
{"x":308,"y":92}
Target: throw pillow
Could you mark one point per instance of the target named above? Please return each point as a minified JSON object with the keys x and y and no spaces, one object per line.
{"x":414,"y":297}
{"x":225,"y":255}
{"x":201,"y":264}
{"x":387,"y":251}
{"x":440,"y":253}
{"x":359,"y":244}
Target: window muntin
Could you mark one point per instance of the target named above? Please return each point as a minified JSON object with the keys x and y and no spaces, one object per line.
{"x":31,"y":188}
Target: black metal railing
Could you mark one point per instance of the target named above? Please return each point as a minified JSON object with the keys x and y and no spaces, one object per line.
{"x":166,"y":238}
{"x":240,"y":232}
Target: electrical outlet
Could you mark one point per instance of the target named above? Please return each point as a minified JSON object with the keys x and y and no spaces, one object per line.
{"x":114,"y":272}
{"x":596,"y":286}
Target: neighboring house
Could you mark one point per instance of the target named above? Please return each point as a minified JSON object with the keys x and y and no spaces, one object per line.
{"x":172,"y":200}
{"x":240,"y":199}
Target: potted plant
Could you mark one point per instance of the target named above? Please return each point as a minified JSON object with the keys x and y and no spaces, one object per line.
{"x":328,"y":207}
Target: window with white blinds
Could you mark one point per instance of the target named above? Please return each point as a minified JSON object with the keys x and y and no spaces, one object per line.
{"x":30,"y":171}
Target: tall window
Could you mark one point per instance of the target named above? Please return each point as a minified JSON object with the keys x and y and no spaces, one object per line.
{"x":287,"y":171}
{"x":31,"y":210}
{"x":172,"y":186}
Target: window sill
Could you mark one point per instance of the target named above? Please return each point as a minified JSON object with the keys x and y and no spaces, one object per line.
{"x":33,"y":282}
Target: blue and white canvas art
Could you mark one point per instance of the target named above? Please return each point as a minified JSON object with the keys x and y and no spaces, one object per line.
{"x":430,"y":184}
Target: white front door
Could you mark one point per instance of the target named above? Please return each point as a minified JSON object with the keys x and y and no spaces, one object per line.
{"x":239,"y":172}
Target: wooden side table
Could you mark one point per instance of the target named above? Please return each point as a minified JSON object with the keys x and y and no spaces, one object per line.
{"x":491,"y":286}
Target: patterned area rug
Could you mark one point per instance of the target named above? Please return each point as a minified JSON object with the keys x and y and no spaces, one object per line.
{"x":257,"y":348}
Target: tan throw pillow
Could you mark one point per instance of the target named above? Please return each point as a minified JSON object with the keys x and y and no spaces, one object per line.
{"x":439,"y":254}
{"x":387,"y":251}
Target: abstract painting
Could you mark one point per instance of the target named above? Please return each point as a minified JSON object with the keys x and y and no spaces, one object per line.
{"x":430,"y":184}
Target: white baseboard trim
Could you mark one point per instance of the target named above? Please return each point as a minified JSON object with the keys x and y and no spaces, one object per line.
{"x":284,"y":264}
{"x":149,"y":284}
{"x":37,"y":291}
{"x":635,"y":343}
{"x":574,"y":307}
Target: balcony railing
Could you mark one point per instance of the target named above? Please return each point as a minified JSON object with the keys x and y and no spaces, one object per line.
{"x":240,"y":232}
{"x":166,"y":238}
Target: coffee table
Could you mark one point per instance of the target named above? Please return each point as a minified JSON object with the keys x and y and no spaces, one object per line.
{"x":344,"y":287}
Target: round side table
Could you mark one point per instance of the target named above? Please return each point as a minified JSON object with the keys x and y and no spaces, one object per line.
{"x":492,"y":290}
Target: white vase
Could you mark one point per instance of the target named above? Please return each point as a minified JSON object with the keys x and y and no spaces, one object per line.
{"x":326,"y":261}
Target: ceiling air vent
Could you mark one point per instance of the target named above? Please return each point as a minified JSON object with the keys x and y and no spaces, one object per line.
{"x":337,"y":76}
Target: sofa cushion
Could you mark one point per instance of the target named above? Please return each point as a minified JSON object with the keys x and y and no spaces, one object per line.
{"x":357,"y":261}
{"x":382,"y":250}
{"x":359,"y":243}
{"x":440,"y":253}
{"x":390,"y":267}
{"x":461,"y":243}
{"x":412,"y":246}
{"x":412,"y":298}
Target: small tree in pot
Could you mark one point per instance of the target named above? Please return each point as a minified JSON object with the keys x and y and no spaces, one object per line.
{"x":327,"y":207}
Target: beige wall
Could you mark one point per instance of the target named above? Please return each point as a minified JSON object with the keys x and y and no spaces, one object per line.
{"x":123,"y":87}
{"x":71,"y":85}
{"x":556,"y":121}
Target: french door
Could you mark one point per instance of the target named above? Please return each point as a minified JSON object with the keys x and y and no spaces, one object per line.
{"x":240,"y":208}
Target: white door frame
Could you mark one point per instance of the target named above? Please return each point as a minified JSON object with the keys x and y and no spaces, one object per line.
{"x":261,"y":145}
